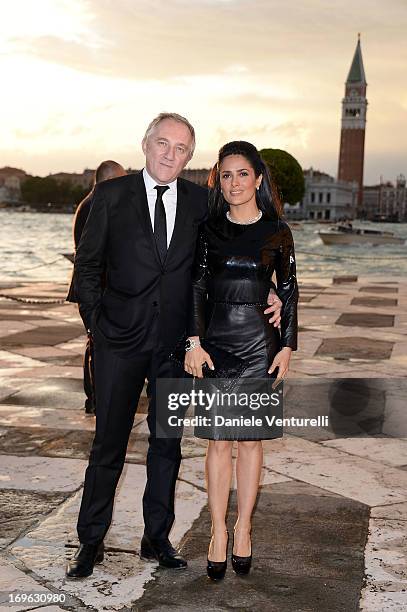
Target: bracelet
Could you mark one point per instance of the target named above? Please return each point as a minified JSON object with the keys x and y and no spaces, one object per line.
{"x":191,"y":344}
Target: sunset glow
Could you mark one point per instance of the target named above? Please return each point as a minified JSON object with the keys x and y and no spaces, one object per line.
{"x":82,"y":79}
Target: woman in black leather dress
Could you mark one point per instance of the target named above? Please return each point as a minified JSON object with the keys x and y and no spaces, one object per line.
{"x":244,"y":241}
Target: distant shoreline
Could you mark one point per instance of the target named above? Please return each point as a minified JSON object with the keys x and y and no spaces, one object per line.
{"x":28,"y":208}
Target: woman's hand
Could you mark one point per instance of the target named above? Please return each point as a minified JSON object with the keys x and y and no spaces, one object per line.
{"x":282,"y":361}
{"x":195,"y":359}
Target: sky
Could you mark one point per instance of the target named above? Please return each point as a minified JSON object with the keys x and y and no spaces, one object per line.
{"x":81,"y":79}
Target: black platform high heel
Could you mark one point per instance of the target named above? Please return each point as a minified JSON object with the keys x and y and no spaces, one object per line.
{"x":216,"y":570}
{"x":241,"y":565}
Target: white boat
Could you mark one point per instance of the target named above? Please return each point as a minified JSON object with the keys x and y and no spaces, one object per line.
{"x":347,"y":234}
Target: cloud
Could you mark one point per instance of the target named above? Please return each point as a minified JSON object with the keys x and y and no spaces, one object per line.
{"x":156,"y":39}
{"x":259,"y":70}
{"x":292,"y":131}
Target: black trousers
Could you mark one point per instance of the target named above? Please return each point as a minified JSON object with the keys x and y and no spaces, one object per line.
{"x":89,"y":377}
{"x":118,"y":384}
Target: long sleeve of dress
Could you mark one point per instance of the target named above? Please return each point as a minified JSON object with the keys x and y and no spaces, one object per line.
{"x":287,"y":289}
{"x":196,"y":323}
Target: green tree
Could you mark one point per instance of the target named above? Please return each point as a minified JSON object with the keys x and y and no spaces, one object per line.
{"x":78,"y":193}
{"x":41,"y":190}
{"x":38,"y":190}
{"x":286,"y":173}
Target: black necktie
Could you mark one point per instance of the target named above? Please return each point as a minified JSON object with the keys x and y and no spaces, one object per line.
{"x":160,"y":222}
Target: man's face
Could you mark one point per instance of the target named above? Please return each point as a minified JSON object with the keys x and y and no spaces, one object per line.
{"x":167,"y":150}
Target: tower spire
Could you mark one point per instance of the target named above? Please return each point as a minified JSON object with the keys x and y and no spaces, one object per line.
{"x":357,"y":71}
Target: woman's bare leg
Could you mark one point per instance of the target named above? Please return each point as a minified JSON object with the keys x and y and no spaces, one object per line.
{"x":248,"y":470}
{"x":218,"y":477}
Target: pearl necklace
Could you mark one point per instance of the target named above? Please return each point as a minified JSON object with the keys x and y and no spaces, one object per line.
{"x":248,"y":222}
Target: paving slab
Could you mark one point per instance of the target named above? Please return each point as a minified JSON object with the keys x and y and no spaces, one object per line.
{"x":373,"y":601}
{"x":13,"y":360}
{"x":321,"y":366}
{"x":13,"y":327}
{"x":50,"y":335}
{"x":344,"y":279}
{"x":353,"y":407}
{"x":40,"y":352}
{"x":374,"y":302}
{"x":359,"y":347}
{"x":20,"y":510}
{"x":383,"y":450}
{"x":25,"y":308}
{"x":395,"y":418}
{"x":38,"y":473}
{"x":307,"y":555}
{"x":31,"y":317}
{"x":25,"y":416}
{"x":386,"y":565}
{"x":378,"y":289}
{"x":365,"y":319}
{"x":52,"y":355}
{"x":390,"y":511}
{"x":13,"y":579}
{"x":27,"y":440}
{"x":354,"y":477}
{"x":64,"y":371}
{"x":54,"y":393}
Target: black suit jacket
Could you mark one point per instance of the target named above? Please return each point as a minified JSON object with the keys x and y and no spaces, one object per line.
{"x":141,"y":294}
{"x":79,"y":221}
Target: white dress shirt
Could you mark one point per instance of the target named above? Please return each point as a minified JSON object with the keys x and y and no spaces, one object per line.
{"x":169,"y":200}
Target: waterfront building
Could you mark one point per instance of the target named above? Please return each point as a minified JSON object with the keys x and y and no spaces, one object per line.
{"x":10,"y":184}
{"x":386,"y":201}
{"x":325,"y":199}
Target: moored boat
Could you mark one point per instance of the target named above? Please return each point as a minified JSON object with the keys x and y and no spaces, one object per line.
{"x":347,"y":234}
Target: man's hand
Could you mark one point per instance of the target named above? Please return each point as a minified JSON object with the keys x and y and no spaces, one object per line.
{"x":275,"y":305}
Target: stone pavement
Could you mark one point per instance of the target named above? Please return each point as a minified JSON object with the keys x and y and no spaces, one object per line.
{"x":330,"y":527}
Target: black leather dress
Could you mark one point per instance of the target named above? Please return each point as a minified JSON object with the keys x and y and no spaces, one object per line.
{"x":232,"y":277}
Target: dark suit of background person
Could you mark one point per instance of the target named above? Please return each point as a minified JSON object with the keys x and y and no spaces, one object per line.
{"x":135,"y":323}
{"x":105,"y":171}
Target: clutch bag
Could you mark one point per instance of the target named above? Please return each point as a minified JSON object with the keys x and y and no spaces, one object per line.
{"x":228,"y":366}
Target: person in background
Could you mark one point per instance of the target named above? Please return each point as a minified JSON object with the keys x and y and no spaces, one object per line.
{"x":105,"y":171}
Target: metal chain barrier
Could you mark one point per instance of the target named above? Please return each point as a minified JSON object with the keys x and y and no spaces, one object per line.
{"x":390,"y":257}
{"x":31,"y":300}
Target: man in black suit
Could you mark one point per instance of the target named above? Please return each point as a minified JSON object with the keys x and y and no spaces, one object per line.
{"x":105,"y":171}
{"x":143,"y":227}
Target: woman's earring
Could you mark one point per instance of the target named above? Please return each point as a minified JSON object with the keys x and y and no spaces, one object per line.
{"x":258,"y":187}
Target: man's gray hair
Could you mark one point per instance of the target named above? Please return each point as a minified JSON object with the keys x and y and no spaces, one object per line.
{"x":174,"y":117}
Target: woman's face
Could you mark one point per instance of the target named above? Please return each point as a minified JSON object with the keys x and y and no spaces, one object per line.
{"x":238,"y":180}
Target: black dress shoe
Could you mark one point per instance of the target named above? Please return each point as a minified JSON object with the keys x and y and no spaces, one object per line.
{"x":86,"y":557}
{"x":241,"y":565}
{"x":161,"y":551}
{"x":216,"y":570}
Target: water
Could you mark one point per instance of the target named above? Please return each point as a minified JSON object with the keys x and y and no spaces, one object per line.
{"x":31,"y":245}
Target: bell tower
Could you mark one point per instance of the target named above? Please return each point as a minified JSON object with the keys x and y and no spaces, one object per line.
{"x":353,"y":125}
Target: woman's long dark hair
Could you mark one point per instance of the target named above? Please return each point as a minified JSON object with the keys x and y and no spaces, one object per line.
{"x":267,"y":197}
